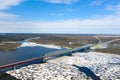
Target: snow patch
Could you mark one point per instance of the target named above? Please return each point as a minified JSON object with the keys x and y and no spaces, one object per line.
{"x":31,"y":44}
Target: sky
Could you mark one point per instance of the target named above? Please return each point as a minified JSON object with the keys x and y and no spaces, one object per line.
{"x":60,"y":16}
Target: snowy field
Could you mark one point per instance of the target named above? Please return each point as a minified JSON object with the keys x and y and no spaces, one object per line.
{"x":79,"y":66}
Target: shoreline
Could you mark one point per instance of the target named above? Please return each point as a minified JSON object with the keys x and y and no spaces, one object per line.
{"x":6,"y":46}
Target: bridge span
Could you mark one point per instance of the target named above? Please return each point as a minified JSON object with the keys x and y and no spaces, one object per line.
{"x":48,"y":56}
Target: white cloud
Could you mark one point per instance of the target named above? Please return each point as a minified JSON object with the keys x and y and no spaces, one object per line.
{"x":103,"y":24}
{"x":57,"y":14}
{"x":4,"y":15}
{"x":5,"y":4}
{"x":61,"y":1}
{"x":100,"y":25}
{"x":97,"y":2}
{"x":118,"y":8}
{"x":109,"y":7}
{"x":115,"y":8}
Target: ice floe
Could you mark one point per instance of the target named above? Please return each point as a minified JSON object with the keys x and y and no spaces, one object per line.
{"x":79,"y":66}
{"x":104,"y":65}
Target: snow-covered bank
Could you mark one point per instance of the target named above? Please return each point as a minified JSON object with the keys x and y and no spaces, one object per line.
{"x":104,"y":66}
{"x":31,"y":44}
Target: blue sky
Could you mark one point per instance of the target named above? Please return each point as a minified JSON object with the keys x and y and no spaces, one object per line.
{"x":60,"y":16}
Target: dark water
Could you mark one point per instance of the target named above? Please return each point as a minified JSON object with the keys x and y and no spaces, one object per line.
{"x":23,"y":53}
{"x":88,"y":72}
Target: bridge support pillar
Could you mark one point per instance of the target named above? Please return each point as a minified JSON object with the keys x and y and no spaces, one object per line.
{"x":43,"y":60}
{"x":13,"y":68}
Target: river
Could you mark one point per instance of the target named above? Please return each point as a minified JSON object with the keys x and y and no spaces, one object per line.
{"x":24,"y":53}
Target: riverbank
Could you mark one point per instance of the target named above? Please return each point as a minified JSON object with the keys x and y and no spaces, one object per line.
{"x":65,"y":40}
{"x":11,"y":46}
{"x":8,"y":46}
{"x":79,"y":66}
{"x":43,"y":39}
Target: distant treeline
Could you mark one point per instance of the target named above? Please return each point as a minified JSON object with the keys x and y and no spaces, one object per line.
{"x":66,"y":40}
{"x":112,"y":48}
{"x":15,"y":37}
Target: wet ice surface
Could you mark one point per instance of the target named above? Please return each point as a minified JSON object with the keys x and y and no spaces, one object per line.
{"x":79,"y":66}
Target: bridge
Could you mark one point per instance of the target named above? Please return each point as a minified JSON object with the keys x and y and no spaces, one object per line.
{"x":114,"y":40}
{"x":101,"y":44}
{"x":48,"y":56}
{"x":59,"y":53}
